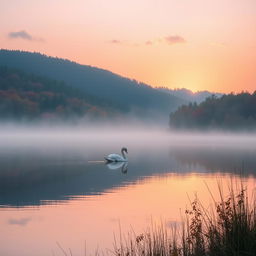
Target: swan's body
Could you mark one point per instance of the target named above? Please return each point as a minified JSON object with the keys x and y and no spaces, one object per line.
{"x":117,"y":158}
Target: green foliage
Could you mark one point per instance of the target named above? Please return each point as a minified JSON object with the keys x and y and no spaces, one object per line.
{"x":28,"y":97}
{"x":227,"y":112}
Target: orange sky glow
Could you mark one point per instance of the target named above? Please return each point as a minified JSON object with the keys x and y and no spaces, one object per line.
{"x":196,"y":44}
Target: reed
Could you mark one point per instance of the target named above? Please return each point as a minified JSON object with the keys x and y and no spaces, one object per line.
{"x":228,"y":229}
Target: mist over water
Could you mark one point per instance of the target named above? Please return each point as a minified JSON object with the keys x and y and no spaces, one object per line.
{"x":54,"y":178}
{"x":117,"y":135}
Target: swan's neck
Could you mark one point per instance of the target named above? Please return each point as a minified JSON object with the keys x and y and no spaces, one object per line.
{"x":123,"y":154}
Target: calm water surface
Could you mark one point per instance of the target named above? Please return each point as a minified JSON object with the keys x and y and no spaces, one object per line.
{"x":54,"y":187}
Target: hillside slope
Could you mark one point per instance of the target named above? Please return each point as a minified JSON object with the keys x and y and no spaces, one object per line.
{"x":25,"y":96}
{"x":129,"y":95}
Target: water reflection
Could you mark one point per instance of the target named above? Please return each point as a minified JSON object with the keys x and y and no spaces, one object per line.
{"x":95,"y":219}
{"x":231,"y":160}
{"x":33,"y":177}
{"x":123,"y":166}
{"x":66,"y":193}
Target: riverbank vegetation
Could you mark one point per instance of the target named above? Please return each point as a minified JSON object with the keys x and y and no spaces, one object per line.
{"x":228,"y":229}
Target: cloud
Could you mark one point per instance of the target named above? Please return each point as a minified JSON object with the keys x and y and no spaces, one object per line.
{"x":20,"y":34}
{"x":175,"y":39}
{"x":23,"y":35}
{"x":20,"y":222}
{"x":124,"y":43}
{"x":149,"y":42}
{"x":172,"y":39}
{"x":115,"y":41}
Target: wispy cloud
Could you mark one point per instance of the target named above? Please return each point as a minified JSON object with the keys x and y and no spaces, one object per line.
{"x":22,"y":34}
{"x":175,"y":39}
{"x":123,"y":43}
{"x":149,"y":42}
{"x":20,"y":222}
{"x":172,"y":39}
{"x":115,"y":41}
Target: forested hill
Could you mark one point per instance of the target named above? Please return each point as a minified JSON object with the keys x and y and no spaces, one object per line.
{"x":129,"y":95}
{"x":231,"y":112}
{"x":28,"y":97}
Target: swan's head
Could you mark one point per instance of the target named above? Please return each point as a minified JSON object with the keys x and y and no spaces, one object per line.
{"x":124,"y":150}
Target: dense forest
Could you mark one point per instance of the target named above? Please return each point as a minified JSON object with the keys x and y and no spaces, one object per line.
{"x":25,"y":96}
{"x":231,"y":112}
{"x":129,"y":95}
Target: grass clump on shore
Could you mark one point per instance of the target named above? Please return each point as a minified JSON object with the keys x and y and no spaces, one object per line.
{"x":228,"y":229}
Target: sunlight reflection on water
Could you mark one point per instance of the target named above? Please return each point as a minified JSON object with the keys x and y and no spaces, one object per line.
{"x":50,"y":192}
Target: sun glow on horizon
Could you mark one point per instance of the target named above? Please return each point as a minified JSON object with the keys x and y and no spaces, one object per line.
{"x":196,"y":44}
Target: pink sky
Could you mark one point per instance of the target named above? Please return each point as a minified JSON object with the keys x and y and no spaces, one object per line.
{"x":197,"y":44}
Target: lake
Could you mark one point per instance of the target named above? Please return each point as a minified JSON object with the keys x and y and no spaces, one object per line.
{"x":56,"y":191}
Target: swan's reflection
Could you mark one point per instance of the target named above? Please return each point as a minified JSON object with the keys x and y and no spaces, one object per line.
{"x":118,"y":165}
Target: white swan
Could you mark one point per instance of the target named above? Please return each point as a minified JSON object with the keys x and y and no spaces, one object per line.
{"x":116,"y":157}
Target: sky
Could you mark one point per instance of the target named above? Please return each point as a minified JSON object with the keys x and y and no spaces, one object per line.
{"x":194,"y":44}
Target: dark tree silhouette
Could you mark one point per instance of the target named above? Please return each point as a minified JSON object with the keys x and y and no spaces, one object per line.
{"x":227,"y":112}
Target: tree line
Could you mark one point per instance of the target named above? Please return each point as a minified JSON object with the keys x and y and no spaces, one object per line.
{"x":26,"y":96}
{"x":232,"y":111}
